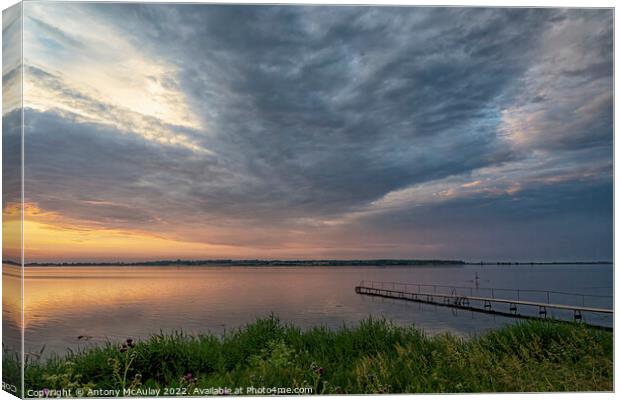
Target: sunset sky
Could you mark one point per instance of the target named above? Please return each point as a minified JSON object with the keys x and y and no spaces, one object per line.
{"x":190,"y":131}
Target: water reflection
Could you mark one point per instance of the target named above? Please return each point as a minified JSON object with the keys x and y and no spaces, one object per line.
{"x":100,"y":303}
{"x":11,"y":327}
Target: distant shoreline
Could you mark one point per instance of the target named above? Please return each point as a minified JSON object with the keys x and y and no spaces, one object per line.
{"x":300,"y":263}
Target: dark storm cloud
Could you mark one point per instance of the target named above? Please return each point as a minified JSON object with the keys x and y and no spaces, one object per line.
{"x":11,"y":157}
{"x":566,"y":99}
{"x":317,"y":112}
{"x":328,"y":99}
{"x":93,"y":172}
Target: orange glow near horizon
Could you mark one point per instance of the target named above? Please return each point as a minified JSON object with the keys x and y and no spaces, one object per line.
{"x":50,"y":236}
{"x":53,"y":237}
{"x":11,"y":232}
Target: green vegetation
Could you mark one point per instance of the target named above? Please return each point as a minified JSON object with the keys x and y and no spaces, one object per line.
{"x":375,"y":357}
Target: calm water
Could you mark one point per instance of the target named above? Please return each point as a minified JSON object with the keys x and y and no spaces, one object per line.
{"x":119,"y":302}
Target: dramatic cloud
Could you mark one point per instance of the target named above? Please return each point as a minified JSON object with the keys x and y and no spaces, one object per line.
{"x":281,"y":131}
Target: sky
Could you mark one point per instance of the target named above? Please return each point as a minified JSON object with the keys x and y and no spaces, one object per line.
{"x":162,"y":131}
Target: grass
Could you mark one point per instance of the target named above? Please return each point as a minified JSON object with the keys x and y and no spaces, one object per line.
{"x":374,"y":357}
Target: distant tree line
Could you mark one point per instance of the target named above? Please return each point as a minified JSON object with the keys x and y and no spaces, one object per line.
{"x":256,"y":262}
{"x":307,"y":263}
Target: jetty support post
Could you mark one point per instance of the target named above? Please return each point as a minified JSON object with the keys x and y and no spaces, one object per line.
{"x":577,"y":315}
{"x":542,"y":311}
{"x":513,"y":308}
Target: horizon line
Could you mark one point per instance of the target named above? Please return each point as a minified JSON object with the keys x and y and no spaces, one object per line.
{"x":302,"y":261}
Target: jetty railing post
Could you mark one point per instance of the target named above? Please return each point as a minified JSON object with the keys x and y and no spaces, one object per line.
{"x":518,"y":295}
{"x":548,"y":297}
{"x":583,"y":301}
{"x":492,"y":293}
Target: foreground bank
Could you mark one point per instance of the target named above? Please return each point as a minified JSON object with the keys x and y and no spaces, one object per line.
{"x":375,"y":357}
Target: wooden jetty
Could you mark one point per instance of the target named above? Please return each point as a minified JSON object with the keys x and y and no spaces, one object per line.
{"x":487,"y":305}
